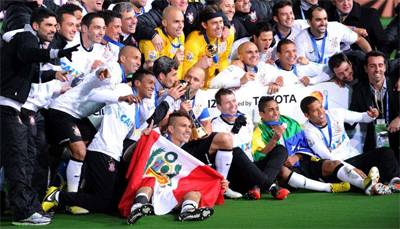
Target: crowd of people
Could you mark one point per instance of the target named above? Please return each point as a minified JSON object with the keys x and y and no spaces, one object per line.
{"x":82,"y":81}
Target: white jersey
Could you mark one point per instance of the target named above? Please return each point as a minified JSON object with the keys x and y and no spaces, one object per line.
{"x":241,"y":139}
{"x":317,"y":73}
{"x":332,"y":142}
{"x":119,"y":122}
{"x":74,"y":101}
{"x":336,"y":33}
{"x":199,"y":105}
{"x":230,"y":77}
{"x":82,"y":60}
{"x":41,"y":94}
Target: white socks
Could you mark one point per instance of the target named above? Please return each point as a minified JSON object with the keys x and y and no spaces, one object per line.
{"x":347,"y":174}
{"x":299,"y":181}
{"x":223,"y":160}
{"x":188,"y":204}
{"x":74,"y":168}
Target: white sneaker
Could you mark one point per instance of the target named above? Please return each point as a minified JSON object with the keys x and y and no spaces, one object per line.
{"x":380,"y":189}
{"x":394,"y":184}
{"x":232,"y":194}
{"x":34,"y":219}
{"x":371,"y":180}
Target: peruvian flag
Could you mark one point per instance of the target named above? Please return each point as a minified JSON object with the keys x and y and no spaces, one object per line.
{"x":172,"y":173}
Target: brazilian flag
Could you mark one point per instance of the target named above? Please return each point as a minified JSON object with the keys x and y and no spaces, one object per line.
{"x":294,"y":138}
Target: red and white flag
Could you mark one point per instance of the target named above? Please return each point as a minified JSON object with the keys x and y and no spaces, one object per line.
{"x":172,"y":173}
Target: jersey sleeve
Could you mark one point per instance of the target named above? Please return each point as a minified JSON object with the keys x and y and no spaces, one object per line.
{"x":192,"y":51}
{"x":148,"y":50}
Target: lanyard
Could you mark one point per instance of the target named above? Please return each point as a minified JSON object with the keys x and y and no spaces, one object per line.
{"x":302,"y":13}
{"x":225,"y":115}
{"x":140,"y":13}
{"x":380,"y":109}
{"x":108,"y":39}
{"x":293,"y":67}
{"x":215,"y":57}
{"x":280,"y":35}
{"x":137,"y":111}
{"x":156,"y":94}
{"x":254,"y":69}
{"x":329,"y":132}
{"x":315,"y":46}
{"x":124,"y":80}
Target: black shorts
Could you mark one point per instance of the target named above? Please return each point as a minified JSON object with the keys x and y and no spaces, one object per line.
{"x":64,"y":128}
{"x":310,"y":167}
{"x":200,"y":149}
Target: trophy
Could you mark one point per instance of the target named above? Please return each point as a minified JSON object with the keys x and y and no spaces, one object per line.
{"x":211,"y":50}
{"x":198,"y":131}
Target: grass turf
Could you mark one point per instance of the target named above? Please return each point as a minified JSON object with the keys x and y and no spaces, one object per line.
{"x":300,"y":210}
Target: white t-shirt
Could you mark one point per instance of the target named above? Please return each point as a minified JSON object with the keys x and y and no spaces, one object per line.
{"x":83,"y":59}
{"x":230,"y":77}
{"x":316,"y":72}
{"x":337,"y":147}
{"x":120,"y":120}
{"x":336,"y":33}
{"x":41,"y":94}
{"x":75,"y":102}
{"x":241,"y":139}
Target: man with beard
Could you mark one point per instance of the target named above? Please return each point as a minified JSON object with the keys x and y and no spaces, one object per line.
{"x":19,"y":68}
{"x":322,"y":39}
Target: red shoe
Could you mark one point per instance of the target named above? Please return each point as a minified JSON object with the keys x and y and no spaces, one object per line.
{"x":253,"y":194}
{"x":279,"y":193}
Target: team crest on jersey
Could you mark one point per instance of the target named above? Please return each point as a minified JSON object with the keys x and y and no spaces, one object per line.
{"x":153,"y":55}
{"x":190,"y":17}
{"x":334,"y":43}
{"x":189,"y":56}
{"x":253,"y":16}
{"x":162,"y":166}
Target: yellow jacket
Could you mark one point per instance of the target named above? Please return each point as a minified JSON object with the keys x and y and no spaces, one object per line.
{"x":195,"y":49}
{"x":170,"y":46}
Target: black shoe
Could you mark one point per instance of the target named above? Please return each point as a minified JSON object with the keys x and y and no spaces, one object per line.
{"x":196,"y":214}
{"x":136,"y":214}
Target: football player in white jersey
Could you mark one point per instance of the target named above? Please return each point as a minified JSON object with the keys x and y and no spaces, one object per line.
{"x":248,"y":71}
{"x":124,"y":113}
{"x":67,"y":116}
{"x":327,"y":137}
{"x":322,"y":39}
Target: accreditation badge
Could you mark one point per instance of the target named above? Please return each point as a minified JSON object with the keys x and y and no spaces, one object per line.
{"x":381,"y":133}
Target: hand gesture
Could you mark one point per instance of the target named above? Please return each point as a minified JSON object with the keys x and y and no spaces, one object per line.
{"x":373,"y":112}
{"x":204,"y":62}
{"x":157,"y":42}
{"x":279,"y":81}
{"x":273,"y":88}
{"x":305,"y":81}
{"x":186,"y":106}
{"x":248,"y":76}
{"x":129,"y":99}
{"x":61,"y":75}
{"x":303,"y":60}
{"x":279,"y":130}
{"x":224,"y":185}
{"x":148,"y":130}
{"x":177,"y":91}
{"x":68,"y":52}
{"x":179,"y":56}
{"x":394,"y":125}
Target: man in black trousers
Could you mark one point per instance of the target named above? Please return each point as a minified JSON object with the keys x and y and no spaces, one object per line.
{"x":20,"y":61}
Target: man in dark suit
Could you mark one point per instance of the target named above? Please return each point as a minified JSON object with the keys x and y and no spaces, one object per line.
{"x":129,"y":22}
{"x":362,"y":20}
{"x":378,"y":92}
{"x":301,"y":7}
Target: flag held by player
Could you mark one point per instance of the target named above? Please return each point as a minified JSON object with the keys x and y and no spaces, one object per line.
{"x":173,"y":172}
